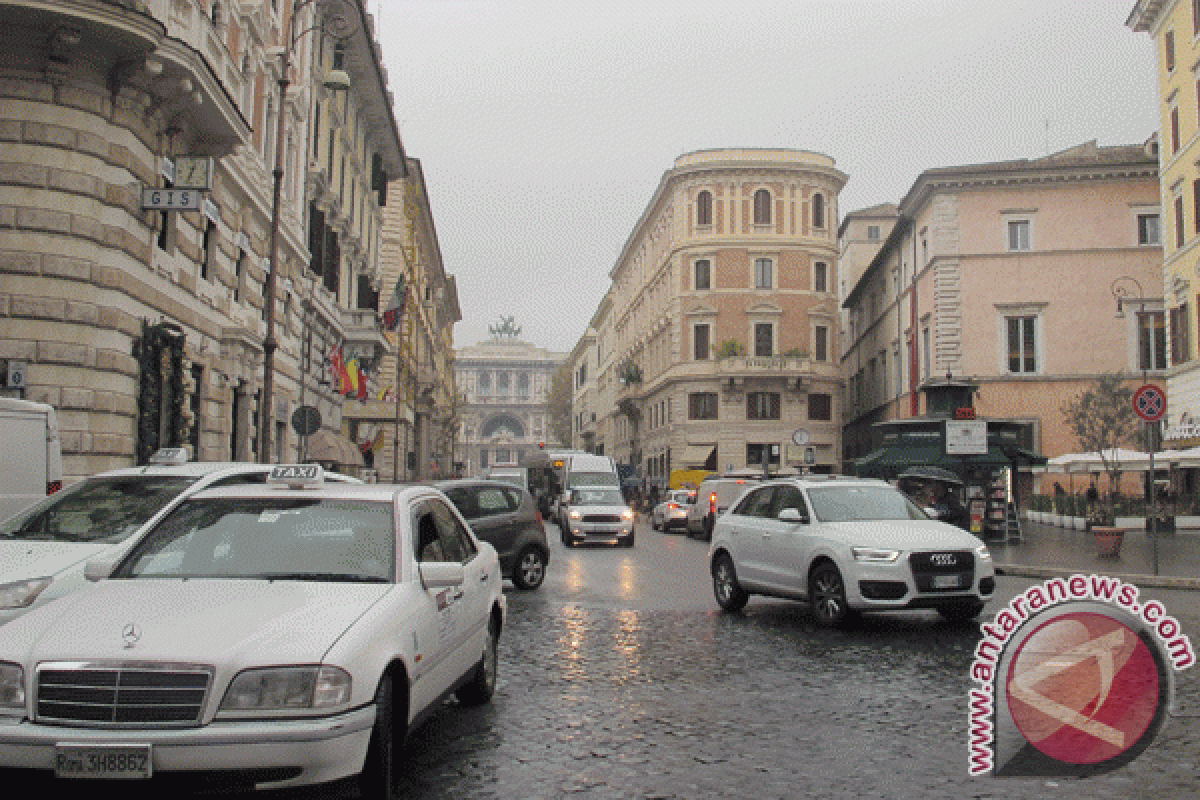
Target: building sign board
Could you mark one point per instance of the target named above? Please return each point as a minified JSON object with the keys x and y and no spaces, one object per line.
{"x":966,"y":437}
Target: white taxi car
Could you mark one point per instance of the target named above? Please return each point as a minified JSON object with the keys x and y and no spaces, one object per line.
{"x":846,"y":545}
{"x":275,"y":635}
{"x":43,"y":549}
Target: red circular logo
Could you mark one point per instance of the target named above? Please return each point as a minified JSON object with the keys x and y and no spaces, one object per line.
{"x":1083,"y":688}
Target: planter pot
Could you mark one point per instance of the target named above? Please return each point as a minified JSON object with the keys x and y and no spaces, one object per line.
{"x":1108,"y":540}
{"x":1130,"y":523}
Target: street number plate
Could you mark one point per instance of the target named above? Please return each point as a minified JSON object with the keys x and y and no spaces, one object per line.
{"x":945,"y":581}
{"x":102,"y":761}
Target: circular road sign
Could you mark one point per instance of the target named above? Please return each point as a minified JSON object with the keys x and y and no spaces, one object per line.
{"x":1150,"y":402}
{"x":800,"y":436}
{"x":306,"y":420}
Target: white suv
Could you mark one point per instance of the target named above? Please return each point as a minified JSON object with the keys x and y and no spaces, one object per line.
{"x":846,"y":545}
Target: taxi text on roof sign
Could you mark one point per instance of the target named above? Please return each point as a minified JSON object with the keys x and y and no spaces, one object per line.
{"x":296,"y":474}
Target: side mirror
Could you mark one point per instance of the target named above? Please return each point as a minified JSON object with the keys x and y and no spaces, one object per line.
{"x":441,"y":574}
{"x":793,"y":515}
{"x":98,"y":569}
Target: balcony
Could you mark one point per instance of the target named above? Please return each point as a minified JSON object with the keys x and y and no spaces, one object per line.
{"x":765,"y":367}
{"x":364,"y":331}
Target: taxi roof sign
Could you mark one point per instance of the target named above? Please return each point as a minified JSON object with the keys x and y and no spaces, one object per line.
{"x":170,"y":456}
{"x":297,"y":475}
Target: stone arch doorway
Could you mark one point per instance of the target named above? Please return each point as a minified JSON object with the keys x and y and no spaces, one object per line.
{"x":503,"y":424}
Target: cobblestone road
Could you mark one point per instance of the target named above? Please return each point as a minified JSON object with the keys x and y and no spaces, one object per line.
{"x":606,"y":692}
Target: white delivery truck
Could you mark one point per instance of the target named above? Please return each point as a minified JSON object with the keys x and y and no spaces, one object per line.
{"x":580,"y":470}
{"x":30,"y":454}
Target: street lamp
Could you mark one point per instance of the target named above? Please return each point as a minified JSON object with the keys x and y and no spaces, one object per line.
{"x":1122,"y":291}
{"x":336,"y":80}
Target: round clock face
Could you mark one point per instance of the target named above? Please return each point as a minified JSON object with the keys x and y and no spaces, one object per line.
{"x":800,"y":436}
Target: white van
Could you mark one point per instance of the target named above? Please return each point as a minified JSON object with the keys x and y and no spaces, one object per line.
{"x":30,"y":454}
{"x":584,"y":470}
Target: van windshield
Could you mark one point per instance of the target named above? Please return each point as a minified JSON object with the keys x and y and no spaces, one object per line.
{"x":99,"y":510}
{"x":593,"y":479}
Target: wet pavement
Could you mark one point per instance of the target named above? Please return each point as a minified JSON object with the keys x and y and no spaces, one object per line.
{"x":620,"y":678}
{"x":1045,"y":551}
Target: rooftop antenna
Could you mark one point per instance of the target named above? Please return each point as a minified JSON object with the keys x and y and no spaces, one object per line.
{"x":1046,"y":138}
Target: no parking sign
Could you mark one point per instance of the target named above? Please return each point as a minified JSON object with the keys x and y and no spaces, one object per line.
{"x":1150,"y":402}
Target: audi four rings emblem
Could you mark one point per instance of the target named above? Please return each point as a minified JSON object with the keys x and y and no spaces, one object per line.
{"x":942,"y":559}
{"x":131,"y":634}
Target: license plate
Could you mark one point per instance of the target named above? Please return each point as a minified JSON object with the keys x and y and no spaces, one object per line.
{"x":102,"y":761}
{"x":945,"y":581}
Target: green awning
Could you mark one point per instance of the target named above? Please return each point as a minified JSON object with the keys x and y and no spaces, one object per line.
{"x":889,"y":461}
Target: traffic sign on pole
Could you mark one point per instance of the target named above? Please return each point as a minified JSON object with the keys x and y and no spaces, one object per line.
{"x":1150,"y":402}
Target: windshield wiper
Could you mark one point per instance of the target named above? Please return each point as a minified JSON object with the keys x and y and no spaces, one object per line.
{"x":319,"y":576}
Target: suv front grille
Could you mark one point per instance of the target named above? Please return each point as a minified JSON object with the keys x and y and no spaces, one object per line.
{"x":930,"y":568}
{"x":157,"y":694}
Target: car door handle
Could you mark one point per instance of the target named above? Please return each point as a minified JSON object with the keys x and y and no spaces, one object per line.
{"x":458,"y":593}
{"x":766,"y":536}
{"x":484,"y":577}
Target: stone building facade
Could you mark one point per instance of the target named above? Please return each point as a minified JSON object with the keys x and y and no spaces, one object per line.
{"x":717,"y":339}
{"x":504,"y":383}
{"x":1007,"y":275}
{"x":145,"y":328}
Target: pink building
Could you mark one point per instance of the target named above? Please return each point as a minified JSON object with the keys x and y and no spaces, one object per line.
{"x":1005,"y":274}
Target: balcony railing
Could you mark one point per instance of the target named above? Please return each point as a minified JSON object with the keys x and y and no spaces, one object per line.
{"x":764,"y":365}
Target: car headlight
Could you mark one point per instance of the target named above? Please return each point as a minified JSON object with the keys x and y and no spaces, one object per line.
{"x":287,"y":689}
{"x":874,"y":554}
{"x":983,"y":553}
{"x":627,"y":514}
{"x":12,"y":687}
{"x":574,"y":515}
{"x":20,"y":594}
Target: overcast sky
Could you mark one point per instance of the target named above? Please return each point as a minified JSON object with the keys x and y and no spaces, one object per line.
{"x":544,"y":126}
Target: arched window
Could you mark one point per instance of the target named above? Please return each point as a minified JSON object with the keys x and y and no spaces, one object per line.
{"x":704,"y":208}
{"x":762,"y":207}
{"x":818,"y":210}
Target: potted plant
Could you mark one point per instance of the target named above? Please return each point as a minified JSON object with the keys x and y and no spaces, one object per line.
{"x":1109,"y":538}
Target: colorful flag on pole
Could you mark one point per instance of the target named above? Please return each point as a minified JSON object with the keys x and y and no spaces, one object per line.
{"x":388,"y":395}
{"x":340,"y":376}
{"x":391,"y":315}
{"x":350,"y":387}
{"x":370,"y":445}
{"x":362,"y":385}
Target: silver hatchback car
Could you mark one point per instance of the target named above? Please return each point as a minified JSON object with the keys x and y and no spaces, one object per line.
{"x":598,"y":514}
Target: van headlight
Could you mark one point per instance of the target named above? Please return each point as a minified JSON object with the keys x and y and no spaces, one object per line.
{"x":983,"y":553}
{"x":574,"y":515}
{"x":20,"y":594}
{"x":627,"y":514}
{"x":12,"y":687}
{"x":286,"y":689}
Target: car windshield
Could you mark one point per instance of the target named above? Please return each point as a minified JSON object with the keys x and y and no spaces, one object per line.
{"x":853,"y":503}
{"x":597,"y":497}
{"x":96,"y":510}
{"x":683,"y":498}
{"x":270,"y":538}
{"x":593,"y":479}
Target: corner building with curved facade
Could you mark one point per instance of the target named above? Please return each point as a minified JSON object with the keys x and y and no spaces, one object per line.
{"x":717,"y":338}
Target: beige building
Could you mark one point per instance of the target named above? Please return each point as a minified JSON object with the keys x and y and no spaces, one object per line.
{"x":145,"y":327}
{"x":1174,"y":26}
{"x":718,"y":337}
{"x":1007,"y":274}
{"x":504,"y":382}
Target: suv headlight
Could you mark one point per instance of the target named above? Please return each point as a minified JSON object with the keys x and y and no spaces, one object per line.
{"x":287,"y":689}
{"x":627,"y":514}
{"x":574,"y":515}
{"x":12,"y":687}
{"x":874,"y":555}
{"x":983,"y":553}
{"x":20,"y":594}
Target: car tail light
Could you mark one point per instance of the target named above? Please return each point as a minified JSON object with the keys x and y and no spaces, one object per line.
{"x":672,"y":506}
{"x":712,"y":503}
{"x":538,"y":516}
{"x":53,"y":486}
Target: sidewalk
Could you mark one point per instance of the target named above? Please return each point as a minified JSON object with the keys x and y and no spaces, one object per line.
{"x":1049,"y":552}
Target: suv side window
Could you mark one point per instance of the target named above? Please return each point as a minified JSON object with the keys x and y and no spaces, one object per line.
{"x":242,"y":479}
{"x":757,"y":503}
{"x":490,"y":501}
{"x":790,"y":497}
